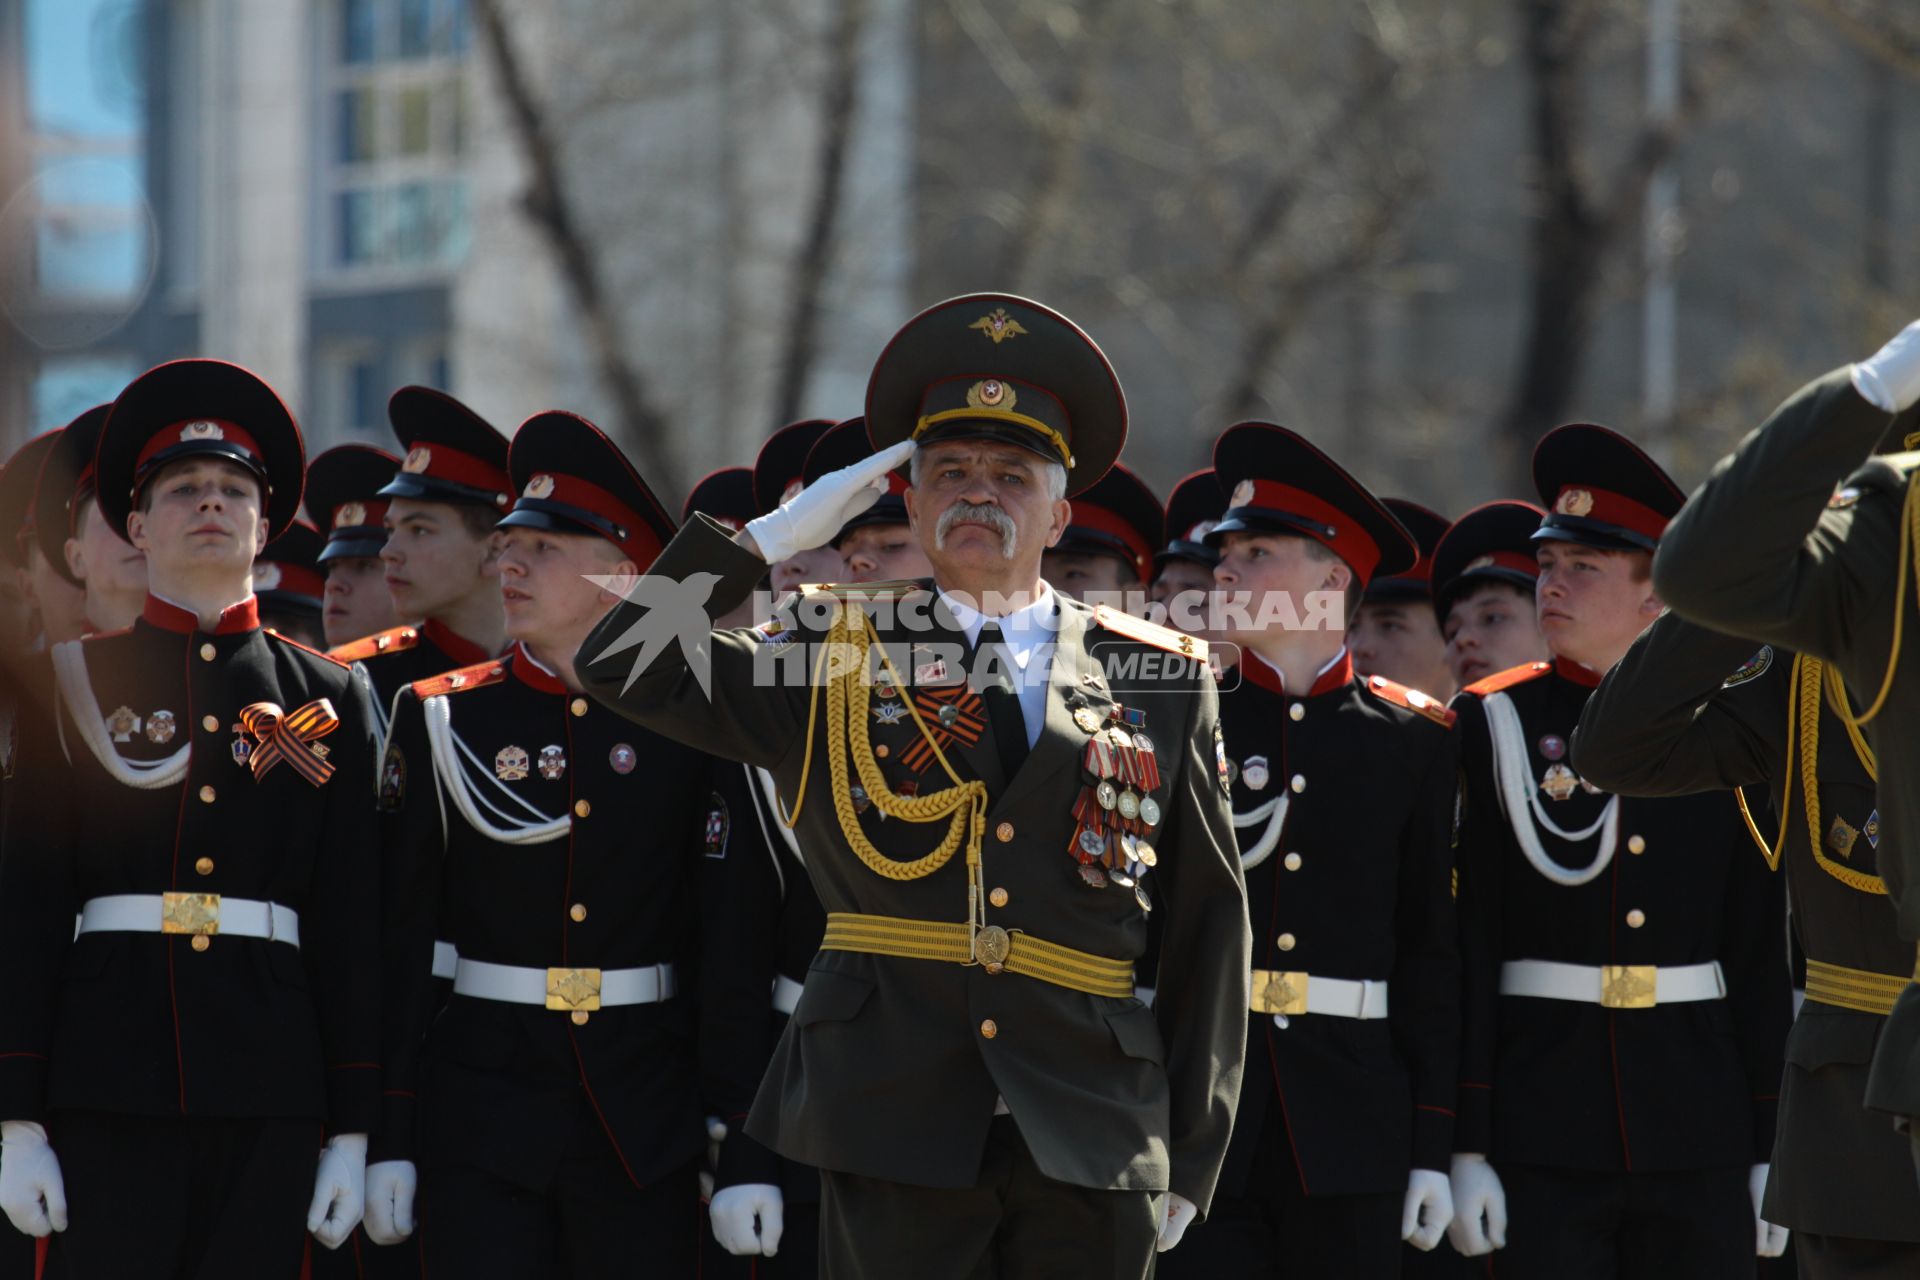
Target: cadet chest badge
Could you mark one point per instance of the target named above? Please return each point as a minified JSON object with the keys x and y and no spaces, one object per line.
{"x":1552,"y":746}
{"x":123,"y":724}
{"x":717,"y":826}
{"x":622,"y":759}
{"x":553,"y":763}
{"x":1871,"y":830}
{"x":1254,"y":773}
{"x":160,"y":728}
{"x":510,"y":764}
{"x":1559,"y":782}
{"x":1752,"y":667}
{"x":393,"y":779}
{"x":242,"y":746}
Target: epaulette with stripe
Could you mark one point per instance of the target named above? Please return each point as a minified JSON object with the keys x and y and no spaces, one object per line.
{"x":1149,"y":632}
{"x":1413,"y":700}
{"x":461,"y":680}
{"x":394,"y":640}
{"x":887,"y":589}
{"x":289,"y":640}
{"x":1507,"y":679}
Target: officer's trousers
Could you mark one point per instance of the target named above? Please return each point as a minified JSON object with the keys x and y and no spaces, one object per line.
{"x":1840,"y":1258}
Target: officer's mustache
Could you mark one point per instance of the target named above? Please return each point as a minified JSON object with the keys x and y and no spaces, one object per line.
{"x":977,"y":513}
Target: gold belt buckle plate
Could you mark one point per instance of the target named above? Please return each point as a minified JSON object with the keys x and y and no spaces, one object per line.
{"x":1277,"y":992}
{"x":1628,"y":986}
{"x":197,"y":913}
{"x":573,"y":990}
{"x":991,"y":946}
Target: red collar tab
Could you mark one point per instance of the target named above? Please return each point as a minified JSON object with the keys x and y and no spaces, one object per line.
{"x":587,"y":504}
{"x":1321,"y":520}
{"x":464,"y":652}
{"x":1102,"y":521}
{"x":1568,"y":669}
{"x":234,"y":619}
{"x":1259,"y":671}
{"x":524,"y":665}
{"x":1584,"y":502}
{"x":444,"y":462}
{"x":196,"y":431}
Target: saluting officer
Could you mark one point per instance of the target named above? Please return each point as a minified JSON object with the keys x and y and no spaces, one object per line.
{"x":555,"y":845}
{"x":1626,"y":975}
{"x":443,"y":503}
{"x":1766,"y":549}
{"x":343,"y":499}
{"x":1691,"y":710}
{"x":1342,"y":793}
{"x":1484,"y":573}
{"x":212,"y":1020}
{"x":967,"y":1064}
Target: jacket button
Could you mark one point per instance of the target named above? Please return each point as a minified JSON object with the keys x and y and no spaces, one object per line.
{"x":579,"y":1017}
{"x":1636,"y":918}
{"x":1636,"y":844}
{"x":579,"y":706}
{"x":201,"y":942}
{"x":989,"y":1028}
{"x":210,"y":723}
{"x":1004,"y":832}
{"x":1285,"y":942}
{"x":204,"y":866}
{"x":1299,"y":783}
{"x":1291,"y":862}
{"x":998,"y":897}
{"x":206,"y":655}
{"x":206,"y":795}
{"x":581,"y":808}
{"x":1298,"y":711}
{"x":881,"y":752}
{"x":577,"y":912}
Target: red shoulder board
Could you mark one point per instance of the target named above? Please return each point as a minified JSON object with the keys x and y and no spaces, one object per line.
{"x":396,"y":640}
{"x":1507,"y":679}
{"x":1152,"y":633}
{"x":461,"y":680}
{"x":1412,"y":699}
{"x":288,"y":640}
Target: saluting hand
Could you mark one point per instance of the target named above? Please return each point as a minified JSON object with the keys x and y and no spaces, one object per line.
{"x":31,"y":1189}
{"x":816,"y":513}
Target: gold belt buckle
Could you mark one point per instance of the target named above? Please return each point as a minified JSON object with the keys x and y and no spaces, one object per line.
{"x":991,"y":947}
{"x":197,"y":913}
{"x":1628,"y":986}
{"x":1276,"y":992}
{"x":573,"y":990}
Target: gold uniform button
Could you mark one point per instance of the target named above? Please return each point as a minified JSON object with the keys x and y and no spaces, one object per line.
{"x":881,"y":752}
{"x":579,"y":1017}
{"x":581,"y":808}
{"x":989,"y":1028}
{"x":1636,"y":918}
{"x":998,"y":897}
{"x":1636,"y":844}
{"x":210,"y":723}
{"x":206,"y":795}
{"x":1292,"y":862}
{"x":204,"y":866}
{"x":1298,"y":711}
{"x":201,"y":942}
{"x":578,"y":912}
{"x":1004,"y":832}
{"x":1299,"y":783}
{"x":206,"y":655}
{"x":579,"y":706}
{"x":1285,"y":941}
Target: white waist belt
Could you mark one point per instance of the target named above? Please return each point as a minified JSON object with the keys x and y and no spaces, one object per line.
{"x":564,"y":988}
{"x":1616,"y":986}
{"x":190,"y":913}
{"x":786,"y":994}
{"x":1284,"y":994}
{"x":444,"y":960}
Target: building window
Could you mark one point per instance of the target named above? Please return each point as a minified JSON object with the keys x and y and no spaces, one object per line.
{"x":395,"y":200}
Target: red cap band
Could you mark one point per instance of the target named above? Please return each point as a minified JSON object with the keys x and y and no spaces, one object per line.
{"x":195,"y":430}
{"x":1586,"y":503}
{"x":1349,"y":540}
{"x":636,"y":537}
{"x":1100,"y":520}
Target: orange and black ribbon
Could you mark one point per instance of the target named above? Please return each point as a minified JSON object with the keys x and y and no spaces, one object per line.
{"x":290,"y":737}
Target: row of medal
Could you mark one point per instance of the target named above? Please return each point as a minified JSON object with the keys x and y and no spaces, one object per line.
{"x":1559,"y":781}
{"x":1116,"y":812}
{"x":511,"y":764}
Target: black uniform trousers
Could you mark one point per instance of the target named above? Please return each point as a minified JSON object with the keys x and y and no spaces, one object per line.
{"x":1014,"y":1223}
{"x":1273,"y":1229}
{"x":588,"y":1222}
{"x":1841,"y":1258}
{"x":165,"y":1198}
{"x":1566,"y":1224}
{"x":361,"y":1259}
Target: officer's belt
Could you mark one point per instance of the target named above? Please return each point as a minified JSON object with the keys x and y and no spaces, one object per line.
{"x":202,"y":914}
{"x":567,"y":990}
{"x":445,"y":958}
{"x":1280,"y":993}
{"x":1856,"y":989}
{"x":1616,"y":986}
{"x":786,"y":994}
{"x":938,"y":940}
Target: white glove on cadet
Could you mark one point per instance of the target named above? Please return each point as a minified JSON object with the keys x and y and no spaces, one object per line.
{"x":390,"y":1188}
{"x":1890,"y":378}
{"x":1769,"y":1241}
{"x":1477,"y":1196}
{"x":339,"y":1189}
{"x":733,"y":1211}
{"x":1176,"y":1215}
{"x":1427,"y":1210}
{"x":31,"y":1190}
{"x":816,"y":513}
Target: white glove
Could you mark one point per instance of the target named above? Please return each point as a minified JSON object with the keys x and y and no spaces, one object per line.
{"x":816,"y":513}
{"x":733,"y":1211}
{"x":1890,"y":378}
{"x":1477,"y":1194}
{"x":31,"y":1190}
{"x":1427,"y":1209}
{"x":339,"y":1189}
{"x":1176,"y":1215}
{"x":390,"y":1188}
{"x":1769,"y":1241}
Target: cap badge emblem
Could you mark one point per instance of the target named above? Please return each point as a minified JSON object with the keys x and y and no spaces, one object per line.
{"x":998,"y":325}
{"x":266,"y":575}
{"x":1242,"y":493}
{"x":1574,"y":502}
{"x":540,"y":486}
{"x":419,"y":458}
{"x":202,"y":431}
{"x":349,"y":514}
{"x":991,"y":394}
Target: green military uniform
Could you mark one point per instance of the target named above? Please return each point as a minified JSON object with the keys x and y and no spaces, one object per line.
{"x":982,"y":924}
{"x":1671,"y":720}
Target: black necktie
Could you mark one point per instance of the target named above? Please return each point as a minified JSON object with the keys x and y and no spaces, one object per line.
{"x":1003,"y":703}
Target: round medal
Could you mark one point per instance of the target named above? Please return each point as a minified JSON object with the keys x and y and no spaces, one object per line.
{"x":949,"y":713}
{"x":1106,"y":795}
{"x":622,"y":758}
{"x":1129,"y":805}
{"x":1120,"y":877}
{"x":1255,"y":774}
{"x":1143,"y":854}
{"x":1092,"y":843}
{"x":1086,"y":719}
{"x":1552,"y":746}
{"x":1143,"y":742}
{"x":1150,"y":811}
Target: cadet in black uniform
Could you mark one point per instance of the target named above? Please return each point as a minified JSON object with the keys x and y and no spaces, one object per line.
{"x":287,"y":580}
{"x":76,"y":539}
{"x":60,"y":600}
{"x":343,"y":500}
{"x":210,"y":1027}
{"x":560,"y":1116}
{"x":1105,"y":554}
{"x":1342,"y":790}
{"x":1394,"y":633}
{"x":1484,"y":572}
{"x":1626,"y":979}
{"x":878,"y":544}
{"x":19,"y":546}
{"x":1186,"y":562}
